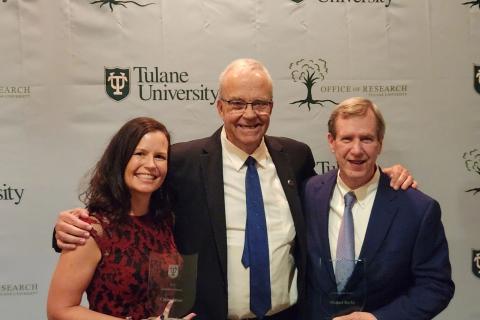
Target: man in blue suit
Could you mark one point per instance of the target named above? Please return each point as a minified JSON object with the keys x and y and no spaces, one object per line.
{"x":386,"y":250}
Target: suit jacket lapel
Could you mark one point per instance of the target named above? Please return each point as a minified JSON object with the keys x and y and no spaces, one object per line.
{"x":382,"y":215}
{"x":212,"y":173}
{"x":323,"y":197}
{"x":287,"y":178}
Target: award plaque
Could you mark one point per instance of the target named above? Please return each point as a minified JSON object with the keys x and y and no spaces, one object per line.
{"x":172,"y":277}
{"x":352,"y":298}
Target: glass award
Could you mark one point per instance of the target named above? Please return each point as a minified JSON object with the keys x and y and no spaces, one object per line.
{"x":352,"y":298}
{"x":172,"y":277}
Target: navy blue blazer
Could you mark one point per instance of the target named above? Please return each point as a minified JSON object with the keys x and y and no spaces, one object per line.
{"x":407,"y":271}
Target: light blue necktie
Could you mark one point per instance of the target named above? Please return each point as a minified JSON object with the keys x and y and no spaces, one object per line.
{"x":255,"y":252}
{"x":345,"y":262}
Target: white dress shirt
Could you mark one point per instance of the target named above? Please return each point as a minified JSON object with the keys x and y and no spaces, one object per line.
{"x":361,"y":212}
{"x":280,"y":229}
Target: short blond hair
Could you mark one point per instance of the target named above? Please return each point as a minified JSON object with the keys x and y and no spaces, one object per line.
{"x":356,"y":107}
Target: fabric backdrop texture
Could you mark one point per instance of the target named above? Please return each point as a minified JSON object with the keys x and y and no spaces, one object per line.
{"x":73,"y":71}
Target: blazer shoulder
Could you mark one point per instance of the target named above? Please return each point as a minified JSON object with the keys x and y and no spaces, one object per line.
{"x":287,"y":142}
{"x":189,"y":146}
{"x":320,"y":179}
{"x":420,"y":200}
{"x":413,"y":197}
{"x":196,"y":147}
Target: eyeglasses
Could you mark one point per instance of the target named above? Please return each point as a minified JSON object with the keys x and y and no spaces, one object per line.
{"x":239,"y":106}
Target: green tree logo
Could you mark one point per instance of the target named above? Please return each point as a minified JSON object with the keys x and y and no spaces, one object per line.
{"x":472,"y":3}
{"x":122,"y":3}
{"x":308,"y":72}
{"x":472,"y":163}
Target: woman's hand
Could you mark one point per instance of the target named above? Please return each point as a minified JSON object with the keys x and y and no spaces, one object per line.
{"x":166,"y":312}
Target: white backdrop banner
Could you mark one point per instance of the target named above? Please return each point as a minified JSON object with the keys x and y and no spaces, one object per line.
{"x":73,"y":71}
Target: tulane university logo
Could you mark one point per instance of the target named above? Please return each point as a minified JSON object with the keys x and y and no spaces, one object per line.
{"x":173,"y":270}
{"x":476,"y":262}
{"x":476,"y":78}
{"x":117,"y":83}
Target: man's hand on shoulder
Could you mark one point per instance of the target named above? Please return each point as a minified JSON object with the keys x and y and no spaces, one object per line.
{"x":70,"y":230}
{"x":400,"y":177}
{"x":357,"y":316}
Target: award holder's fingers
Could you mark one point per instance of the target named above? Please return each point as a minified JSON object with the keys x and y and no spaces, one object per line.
{"x":166,"y":311}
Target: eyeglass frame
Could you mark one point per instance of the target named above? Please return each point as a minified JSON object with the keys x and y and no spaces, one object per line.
{"x":254,"y":104}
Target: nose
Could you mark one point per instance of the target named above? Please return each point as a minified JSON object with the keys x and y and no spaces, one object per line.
{"x":249,"y":112}
{"x":356,"y":147}
{"x":149,"y":162}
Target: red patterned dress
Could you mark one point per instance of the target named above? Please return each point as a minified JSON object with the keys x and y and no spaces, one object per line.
{"x":120,"y":285}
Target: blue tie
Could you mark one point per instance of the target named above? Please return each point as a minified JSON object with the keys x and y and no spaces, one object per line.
{"x":345,"y":262}
{"x":255,"y":252}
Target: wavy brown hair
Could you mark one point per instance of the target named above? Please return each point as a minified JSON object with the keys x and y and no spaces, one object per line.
{"x":106,"y":193}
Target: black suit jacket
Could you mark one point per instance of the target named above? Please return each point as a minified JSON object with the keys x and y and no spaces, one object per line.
{"x":196,"y":178}
{"x":407,"y":273}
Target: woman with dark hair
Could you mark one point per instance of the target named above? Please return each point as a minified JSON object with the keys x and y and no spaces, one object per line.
{"x":131,"y":220}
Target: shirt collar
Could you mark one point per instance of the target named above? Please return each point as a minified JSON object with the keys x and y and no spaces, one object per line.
{"x":238,"y":157}
{"x":361,"y":193}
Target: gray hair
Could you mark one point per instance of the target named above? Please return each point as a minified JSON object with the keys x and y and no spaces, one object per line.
{"x":243,"y":63}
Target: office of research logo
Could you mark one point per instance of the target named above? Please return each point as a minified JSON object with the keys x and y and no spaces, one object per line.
{"x":472,"y":3}
{"x":476,"y":262}
{"x":308,"y":72}
{"x":122,"y":3}
{"x":472,"y":163}
{"x":476,"y":78}
{"x":18,"y":289}
{"x":117,"y":83}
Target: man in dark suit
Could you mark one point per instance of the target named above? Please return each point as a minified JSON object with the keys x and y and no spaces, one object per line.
{"x":395,"y":239}
{"x":208,"y":178}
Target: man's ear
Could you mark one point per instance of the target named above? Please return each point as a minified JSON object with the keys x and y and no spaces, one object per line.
{"x":331,"y":142}
{"x":220,"y":107}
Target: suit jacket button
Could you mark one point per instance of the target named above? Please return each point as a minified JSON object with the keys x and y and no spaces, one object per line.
{"x":291,"y":182}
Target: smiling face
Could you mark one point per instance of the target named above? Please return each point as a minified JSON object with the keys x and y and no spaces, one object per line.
{"x":245,"y":130}
{"x":147,"y":167}
{"x":356,"y":146}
